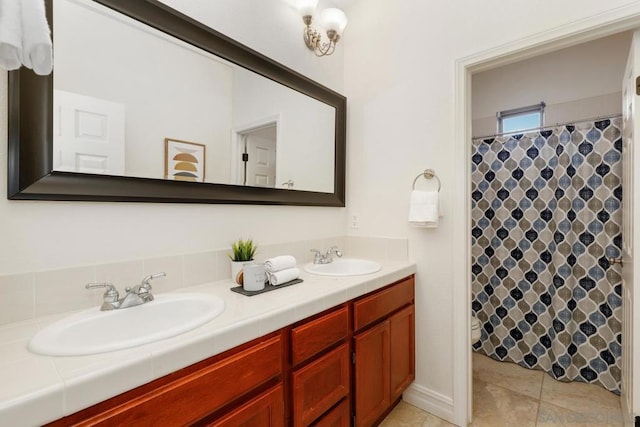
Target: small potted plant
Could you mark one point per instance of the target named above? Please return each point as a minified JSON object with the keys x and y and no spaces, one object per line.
{"x":242,"y":252}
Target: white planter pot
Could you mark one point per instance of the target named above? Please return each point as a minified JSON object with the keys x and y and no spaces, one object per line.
{"x":236,"y":271}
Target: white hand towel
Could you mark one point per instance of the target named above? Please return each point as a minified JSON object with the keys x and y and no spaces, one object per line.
{"x":278,"y":263}
{"x":36,"y":37}
{"x":423,"y":209}
{"x":10,"y":34}
{"x":283,"y":276}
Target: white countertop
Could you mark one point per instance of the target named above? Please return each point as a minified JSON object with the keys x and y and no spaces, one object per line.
{"x":38,"y":389}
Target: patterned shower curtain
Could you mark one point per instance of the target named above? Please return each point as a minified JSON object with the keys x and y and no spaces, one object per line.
{"x":546,"y":217}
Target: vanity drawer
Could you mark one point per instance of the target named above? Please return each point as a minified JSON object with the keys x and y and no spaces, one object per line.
{"x":372,"y":308}
{"x":267,"y":410}
{"x":320,"y":385}
{"x":316,"y":335}
{"x":189,"y":395}
{"x":340,"y":416}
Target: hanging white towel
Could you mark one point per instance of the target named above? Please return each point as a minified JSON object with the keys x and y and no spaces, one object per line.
{"x":10,"y":34}
{"x":278,"y":263}
{"x":36,"y":37}
{"x":423,"y":209}
{"x":283,"y":276}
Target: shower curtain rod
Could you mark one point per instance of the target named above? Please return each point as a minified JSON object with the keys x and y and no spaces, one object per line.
{"x":593,"y":119}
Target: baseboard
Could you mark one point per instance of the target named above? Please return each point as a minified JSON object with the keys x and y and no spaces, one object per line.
{"x":431,"y":401}
{"x":628,"y":420}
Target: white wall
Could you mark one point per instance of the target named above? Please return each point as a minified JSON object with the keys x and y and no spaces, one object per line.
{"x":49,"y":235}
{"x":400,"y":81}
{"x":579,"y":82}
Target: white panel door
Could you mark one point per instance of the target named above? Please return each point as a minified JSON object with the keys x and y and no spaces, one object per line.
{"x":88,"y":134}
{"x":261,"y":168}
{"x":630,"y":236}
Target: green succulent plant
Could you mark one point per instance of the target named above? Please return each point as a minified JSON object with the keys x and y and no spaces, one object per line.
{"x":243,"y":250}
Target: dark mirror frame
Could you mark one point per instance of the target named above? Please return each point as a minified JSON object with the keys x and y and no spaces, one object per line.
{"x":30,"y":155}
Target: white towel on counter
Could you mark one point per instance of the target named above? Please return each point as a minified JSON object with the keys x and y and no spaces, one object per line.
{"x":10,"y":34}
{"x":36,"y":37}
{"x":283,"y":276}
{"x":424,"y":209}
{"x":278,"y":263}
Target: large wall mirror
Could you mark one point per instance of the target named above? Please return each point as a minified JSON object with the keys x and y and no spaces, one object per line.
{"x":146,"y":104}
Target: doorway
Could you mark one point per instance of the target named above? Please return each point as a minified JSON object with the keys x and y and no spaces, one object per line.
{"x":579,"y":32}
{"x":254,"y":154}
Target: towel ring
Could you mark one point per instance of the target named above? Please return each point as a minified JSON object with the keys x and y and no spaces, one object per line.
{"x":427,"y":174}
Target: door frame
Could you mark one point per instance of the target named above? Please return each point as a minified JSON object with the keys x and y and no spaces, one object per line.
{"x":237,"y":135}
{"x":594,"y":27}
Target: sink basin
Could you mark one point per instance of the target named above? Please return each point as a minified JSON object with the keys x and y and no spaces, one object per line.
{"x":93,"y":331}
{"x":344,"y":267}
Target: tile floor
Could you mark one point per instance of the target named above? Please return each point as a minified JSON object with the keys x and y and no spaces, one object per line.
{"x":505,"y":394}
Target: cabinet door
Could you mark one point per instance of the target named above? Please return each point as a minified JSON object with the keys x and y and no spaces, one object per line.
{"x":267,"y":410}
{"x":320,"y":385}
{"x":372,"y":373}
{"x":402,"y":340}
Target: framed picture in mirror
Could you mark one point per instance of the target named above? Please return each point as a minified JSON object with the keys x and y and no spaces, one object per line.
{"x":184,"y":161}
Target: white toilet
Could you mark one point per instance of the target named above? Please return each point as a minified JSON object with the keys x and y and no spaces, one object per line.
{"x":475,"y":330}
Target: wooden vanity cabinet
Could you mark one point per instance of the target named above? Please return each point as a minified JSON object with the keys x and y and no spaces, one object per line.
{"x":384,"y":348}
{"x":347,"y":365}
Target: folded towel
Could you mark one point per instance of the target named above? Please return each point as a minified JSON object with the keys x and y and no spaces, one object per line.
{"x":36,"y":37}
{"x":278,"y":263}
{"x":423,"y":209}
{"x":283,"y":276}
{"x":10,"y":34}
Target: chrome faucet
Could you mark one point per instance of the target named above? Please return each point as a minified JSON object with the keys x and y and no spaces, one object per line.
{"x":110,"y":299}
{"x":319,"y":258}
{"x":141,"y":293}
{"x":137,"y":295}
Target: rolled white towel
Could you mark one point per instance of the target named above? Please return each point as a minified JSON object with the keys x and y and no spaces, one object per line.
{"x":10,"y":34}
{"x":423,"y":209}
{"x":278,"y":263}
{"x":36,"y":37}
{"x":283,"y":276}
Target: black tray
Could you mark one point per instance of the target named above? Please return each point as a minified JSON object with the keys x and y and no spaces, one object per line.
{"x":267,"y":288}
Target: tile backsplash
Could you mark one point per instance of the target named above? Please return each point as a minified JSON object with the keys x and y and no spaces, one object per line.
{"x":30,"y":295}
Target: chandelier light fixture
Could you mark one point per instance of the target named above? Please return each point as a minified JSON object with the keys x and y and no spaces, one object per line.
{"x":332,"y":20}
